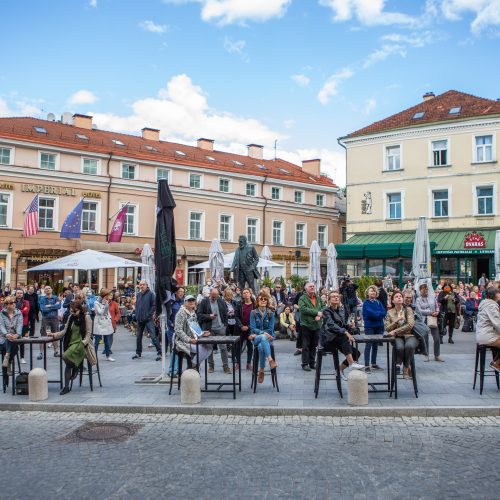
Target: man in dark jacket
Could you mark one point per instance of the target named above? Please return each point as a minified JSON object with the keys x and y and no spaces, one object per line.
{"x":349,"y":298}
{"x":212,"y":315}
{"x":144,"y":310}
{"x":32,"y":297}
{"x":382,"y":294}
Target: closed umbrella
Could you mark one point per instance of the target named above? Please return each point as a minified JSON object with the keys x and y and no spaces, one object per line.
{"x":216,"y":260}
{"x":497,"y":256}
{"x":314,"y":264}
{"x":148,"y":272}
{"x":265,"y":254}
{"x":332,"y":282}
{"x":421,"y":261}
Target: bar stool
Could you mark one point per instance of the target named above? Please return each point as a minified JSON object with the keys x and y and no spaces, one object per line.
{"x":320,"y":353}
{"x":394,"y":376}
{"x":5,"y":377}
{"x":181,"y":355}
{"x":91,"y":373}
{"x":255,"y":369}
{"x":481,"y":360}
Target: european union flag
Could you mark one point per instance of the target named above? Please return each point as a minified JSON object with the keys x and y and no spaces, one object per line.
{"x":73,"y":224}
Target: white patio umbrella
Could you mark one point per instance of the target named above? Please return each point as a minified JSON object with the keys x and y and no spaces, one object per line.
{"x":332,"y":282}
{"x":228,"y":262}
{"x":421,"y":261}
{"x":265,"y":254}
{"x":497,"y":256}
{"x":148,"y":260}
{"x":216,"y":260}
{"x":314,"y":264}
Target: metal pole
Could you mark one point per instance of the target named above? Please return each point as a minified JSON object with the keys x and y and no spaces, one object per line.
{"x":163,"y":324}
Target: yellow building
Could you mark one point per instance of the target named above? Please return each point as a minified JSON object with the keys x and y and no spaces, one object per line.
{"x":437,"y":159}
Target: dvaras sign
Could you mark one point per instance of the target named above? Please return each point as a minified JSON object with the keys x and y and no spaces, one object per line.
{"x":474,"y":240}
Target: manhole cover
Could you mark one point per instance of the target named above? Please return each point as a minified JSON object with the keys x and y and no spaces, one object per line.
{"x":98,"y":431}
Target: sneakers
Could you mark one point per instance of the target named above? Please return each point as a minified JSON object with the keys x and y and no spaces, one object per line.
{"x":158,"y":358}
{"x":367,"y":369}
{"x":450,"y":341}
{"x":376,"y":368}
{"x":150,"y":345}
{"x":306,"y":368}
{"x":40,"y":356}
{"x":426,"y":359}
{"x":57,"y":354}
{"x":64,"y":391}
{"x":109,"y":358}
{"x":297,"y":352}
{"x":227,"y":369}
{"x":439,"y":358}
{"x":23,"y":361}
{"x":342,"y":374}
{"x":357,"y":366}
{"x":136,"y":356}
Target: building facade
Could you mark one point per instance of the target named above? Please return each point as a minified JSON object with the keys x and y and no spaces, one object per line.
{"x":218,"y":195}
{"x":438,"y":159}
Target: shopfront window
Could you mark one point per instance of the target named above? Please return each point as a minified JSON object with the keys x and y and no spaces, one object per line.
{"x":392,"y":268}
{"x":126,"y":275}
{"x":448,"y":268}
{"x":466,"y":269}
{"x":407,"y":269}
{"x":195,"y":276}
{"x":375,"y":267}
{"x":354,"y":268}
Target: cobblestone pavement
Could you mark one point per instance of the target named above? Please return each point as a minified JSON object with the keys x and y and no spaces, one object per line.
{"x":175,"y":456}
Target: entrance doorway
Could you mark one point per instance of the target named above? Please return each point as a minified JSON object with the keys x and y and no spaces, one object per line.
{"x":482,"y":266}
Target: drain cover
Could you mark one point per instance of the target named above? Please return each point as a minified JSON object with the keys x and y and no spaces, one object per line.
{"x":98,"y":431}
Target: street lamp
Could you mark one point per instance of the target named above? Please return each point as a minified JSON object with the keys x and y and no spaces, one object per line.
{"x":297,"y":257}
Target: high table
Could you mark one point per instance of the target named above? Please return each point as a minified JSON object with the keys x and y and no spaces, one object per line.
{"x":221,"y":340}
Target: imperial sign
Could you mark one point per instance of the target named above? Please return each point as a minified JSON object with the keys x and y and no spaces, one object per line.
{"x":474,"y":240}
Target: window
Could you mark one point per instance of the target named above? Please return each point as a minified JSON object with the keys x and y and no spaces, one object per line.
{"x":261,"y":167}
{"x":195,"y":219}
{"x":5,"y":156}
{"x":181,"y":153}
{"x":40,"y":130}
{"x":224,"y":185}
{"x":276,"y":193}
{"x":48,"y":161}
{"x":418,"y":115}
{"x":439,"y":153}
{"x":277,"y":232}
{"x":394,"y":205}
{"x":440,"y":203}
{"x":82,"y":137}
{"x":252,"y":227}
{"x":484,"y":196}
{"x":238,"y":163}
{"x":320,"y":200}
{"x":90,"y":166}
{"x":151,"y":148}
{"x":455,"y":110}
{"x":128,"y":171}
{"x":298,"y":197}
{"x":210,"y":158}
{"x":225,"y":223}
{"x":4,"y":209}
{"x":251,"y":189}
{"x":130,"y":218}
{"x":300,"y":229}
{"x":393,"y":157}
{"x":484,"y":148}
{"x":322,"y":236}
{"x":195,"y":181}
{"x":89,"y":217}
{"x":46,"y":211}
{"x":118,"y":142}
{"x":162,"y":173}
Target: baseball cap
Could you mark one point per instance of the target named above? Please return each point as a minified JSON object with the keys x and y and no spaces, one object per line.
{"x":189,"y":297}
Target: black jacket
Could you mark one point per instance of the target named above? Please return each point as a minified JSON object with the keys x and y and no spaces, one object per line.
{"x":382,"y":297}
{"x":34,"y":307}
{"x":145,"y":306}
{"x":333,"y":325}
{"x":204,"y":310}
{"x":442,"y":302}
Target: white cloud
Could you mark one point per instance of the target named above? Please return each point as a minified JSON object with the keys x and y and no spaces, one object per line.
{"x":153,"y":27}
{"x":301,"y":80}
{"x":330,"y":87}
{"x":236,"y":47}
{"x":417,"y":40}
{"x":383,"y":53}
{"x":26,"y":107}
{"x":370,"y":106}
{"x":82,"y":97}
{"x":93,"y":3}
{"x":4,"y":108}
{"x":487,"y":12}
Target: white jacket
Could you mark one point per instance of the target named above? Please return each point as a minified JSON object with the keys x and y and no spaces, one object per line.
{"x":488,"y":322}
{"x":102,"y":320}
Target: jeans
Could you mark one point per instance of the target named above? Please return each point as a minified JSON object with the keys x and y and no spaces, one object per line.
{"x":31,"y":322}
{"x":450,"y":323}
{"x":172,"y":368}
{"x":405,"y":349}
{"x":106,"y":339}
{"x":222,"y":348}
{"x":150,"y":326}
{"x":309,"y":343}
{"x":262,"y":343}
{"x":437,"y":341}
{"x":372,"y":347}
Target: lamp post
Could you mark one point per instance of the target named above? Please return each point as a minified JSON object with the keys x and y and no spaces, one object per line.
{"x":297,"y":257}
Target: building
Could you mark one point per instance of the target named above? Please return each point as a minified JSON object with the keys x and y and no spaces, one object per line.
{"x":437,"y":159}
{"x":218,"y":195}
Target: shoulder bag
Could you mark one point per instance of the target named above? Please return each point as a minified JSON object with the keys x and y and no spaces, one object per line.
{"x":90,"y":354}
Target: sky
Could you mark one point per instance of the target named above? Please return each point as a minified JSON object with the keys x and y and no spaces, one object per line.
{"x":291,"y":75}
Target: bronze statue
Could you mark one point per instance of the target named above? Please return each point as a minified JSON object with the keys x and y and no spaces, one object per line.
{"x":245,"y":264}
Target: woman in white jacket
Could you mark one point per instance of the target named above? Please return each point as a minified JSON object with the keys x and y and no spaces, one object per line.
{"x":103,"y":327}
{"x":488,"y":324}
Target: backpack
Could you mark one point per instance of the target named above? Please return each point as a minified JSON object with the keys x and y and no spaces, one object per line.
{"x":22,"y":388}
{"x":468,"y":325}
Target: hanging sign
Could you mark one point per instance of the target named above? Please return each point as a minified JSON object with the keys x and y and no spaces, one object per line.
{"x":474,"y":240}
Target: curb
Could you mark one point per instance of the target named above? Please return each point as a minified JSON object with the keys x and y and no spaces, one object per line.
{"x":416,"y":411}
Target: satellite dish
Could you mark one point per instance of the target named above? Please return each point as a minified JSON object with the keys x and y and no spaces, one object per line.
{"x":51,"y":117}
{"x":67,"y":118}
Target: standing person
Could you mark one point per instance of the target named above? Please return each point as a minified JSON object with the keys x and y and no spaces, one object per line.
{"x":11,"y":327}
{"x":174,"y":309}
{"x":49,"y":305}
{"x":311,"y":314}
{"x":212,"y":316}
{"x":145,"y":307}
{"x":227,"y":296}
{"x":103,"y":327}
{"x":488,"y":324}
{"x":23,"y":306}
{"x":349,"y":298}
{"x":115,"y":313}
{"x":242,"y":316}
{"x":373,"y":318}
{"x":33,"y":316}
{"x":450,"y":306}
{"x":427,"y":308}
{"x":483,"y":282}
{"x":382,"y":294}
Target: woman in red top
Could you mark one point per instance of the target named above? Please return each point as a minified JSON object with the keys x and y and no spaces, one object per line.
{"x":242,"y":312}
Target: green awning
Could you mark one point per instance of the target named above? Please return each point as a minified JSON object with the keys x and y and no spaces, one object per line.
{"x":382,"y":250}
{"x":350,"y":251}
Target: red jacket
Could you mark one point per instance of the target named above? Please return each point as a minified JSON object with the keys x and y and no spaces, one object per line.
{"x":114,"y":311}
{"x":24,"y":307}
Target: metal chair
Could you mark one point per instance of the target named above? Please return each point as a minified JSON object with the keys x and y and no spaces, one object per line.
{"x":481,"y":360}
{"x":320,"y":353}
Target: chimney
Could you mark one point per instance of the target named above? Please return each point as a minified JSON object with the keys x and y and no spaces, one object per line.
{"x":82,"y":121}
{"x":207,"y":144}
{"x":256,"y":151}
{"x":428,"y":96}
{"x":150,"y":134}
{"x":312,"y":167}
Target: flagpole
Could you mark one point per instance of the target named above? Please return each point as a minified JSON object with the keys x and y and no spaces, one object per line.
{"x":30,"y":203}
{"x":121,"y":208}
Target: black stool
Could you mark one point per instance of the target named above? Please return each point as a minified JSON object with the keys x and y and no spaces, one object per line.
{"x":5,"y":377}
{"x":320,"y":352}
{"x":91,"y":373}
{"x":394,"y":376}
{"x":255,"y":369}
{"x":481,"y":358}
{"x":181,"y":355}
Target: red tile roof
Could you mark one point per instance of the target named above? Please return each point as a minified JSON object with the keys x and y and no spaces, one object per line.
{"x":101,"y":141}
{"x":435,"y":110}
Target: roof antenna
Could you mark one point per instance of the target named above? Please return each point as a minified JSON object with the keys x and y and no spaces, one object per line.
{"x":275,"y":145}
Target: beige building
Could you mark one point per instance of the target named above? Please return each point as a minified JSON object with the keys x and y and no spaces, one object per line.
{"x":437,"y":159}
{"x":218,"y":195}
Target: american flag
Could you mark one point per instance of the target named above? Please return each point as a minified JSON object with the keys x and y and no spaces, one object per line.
{"x":30,"y":225}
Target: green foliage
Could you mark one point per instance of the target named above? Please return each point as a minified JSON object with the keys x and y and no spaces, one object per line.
{"x":191,"y":290}
{"x":267,"y":281}
{"x":363,"y":283}
{"x":298,"y":282}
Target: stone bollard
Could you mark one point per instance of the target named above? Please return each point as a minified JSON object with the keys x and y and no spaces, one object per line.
{"x":38,"y":385}
{"x":190,"y":387}
{"x":357,"y":387}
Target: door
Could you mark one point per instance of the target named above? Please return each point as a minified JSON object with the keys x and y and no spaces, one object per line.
{"x":482,"y":266}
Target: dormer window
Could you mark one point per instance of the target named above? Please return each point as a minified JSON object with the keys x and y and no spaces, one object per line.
{"x":455,"y":110}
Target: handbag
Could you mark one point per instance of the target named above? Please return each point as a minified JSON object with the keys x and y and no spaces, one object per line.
{"x":90,"y":354}
{"x":432,"y":321}
{"x":457,"y":322}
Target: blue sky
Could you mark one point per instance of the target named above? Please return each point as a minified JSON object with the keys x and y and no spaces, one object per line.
{"x":302,"y":72}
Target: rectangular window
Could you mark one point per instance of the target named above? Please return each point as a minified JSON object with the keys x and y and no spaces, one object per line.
{"x":128,"y":171}
{"x":439,"y":153}
{"x":440,"y":202}
{"x":393,"y":157}
{"x":195,"y":219}
{"x":252,"y":225}
{"x":129,"y":226}
{"x":484,"y":200}
{"x":277,"y":232}
{"x":224,"y":185}
{"x":322,"y":239}
{"x":195,"y":181}
{"x":46,"y":211}
{"x":225,"y":228}
{"x":276,"y":193}
{"x":300,"y":229}
{"x":484,"y":148}
{"x":48,"y":161}
{"x":89,"y":217}
{"x":394,"y":205}
{"x":5,"y":156}
{"x":298,"y":197}
{"x":162,"y":173}
{"x":320,"y":200}
{"x":251,"y":189}
{"x":4,"y":209}
{"x":90,"y":166}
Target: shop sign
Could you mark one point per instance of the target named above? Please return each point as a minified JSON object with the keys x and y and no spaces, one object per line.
{"x":91,"y":194}
{"x":474,"y":240}
{"x":6,"y":185}
{"x":40,"y":188}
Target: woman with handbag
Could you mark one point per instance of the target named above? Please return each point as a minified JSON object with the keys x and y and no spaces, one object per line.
{"x":77,"y":335}
{"x":450,"y":306}
{"x":428,"y":309}
{"x":103,"y":327}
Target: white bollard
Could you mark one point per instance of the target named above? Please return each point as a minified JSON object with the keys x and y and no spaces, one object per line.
{"x":38,"y":385}
{"x":190,"y":387}
{"x":357,"y":387}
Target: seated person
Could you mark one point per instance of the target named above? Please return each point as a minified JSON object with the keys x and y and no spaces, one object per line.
{"x":287,"y":323}
{"x":471,"y":306}
{"x":11,"y":327}
{"x":488,"y":324}
{"x":399,"y":324}
{"x":335,"y":333}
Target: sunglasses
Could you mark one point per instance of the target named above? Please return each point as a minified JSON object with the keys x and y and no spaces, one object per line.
{"x":262,"y":299}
